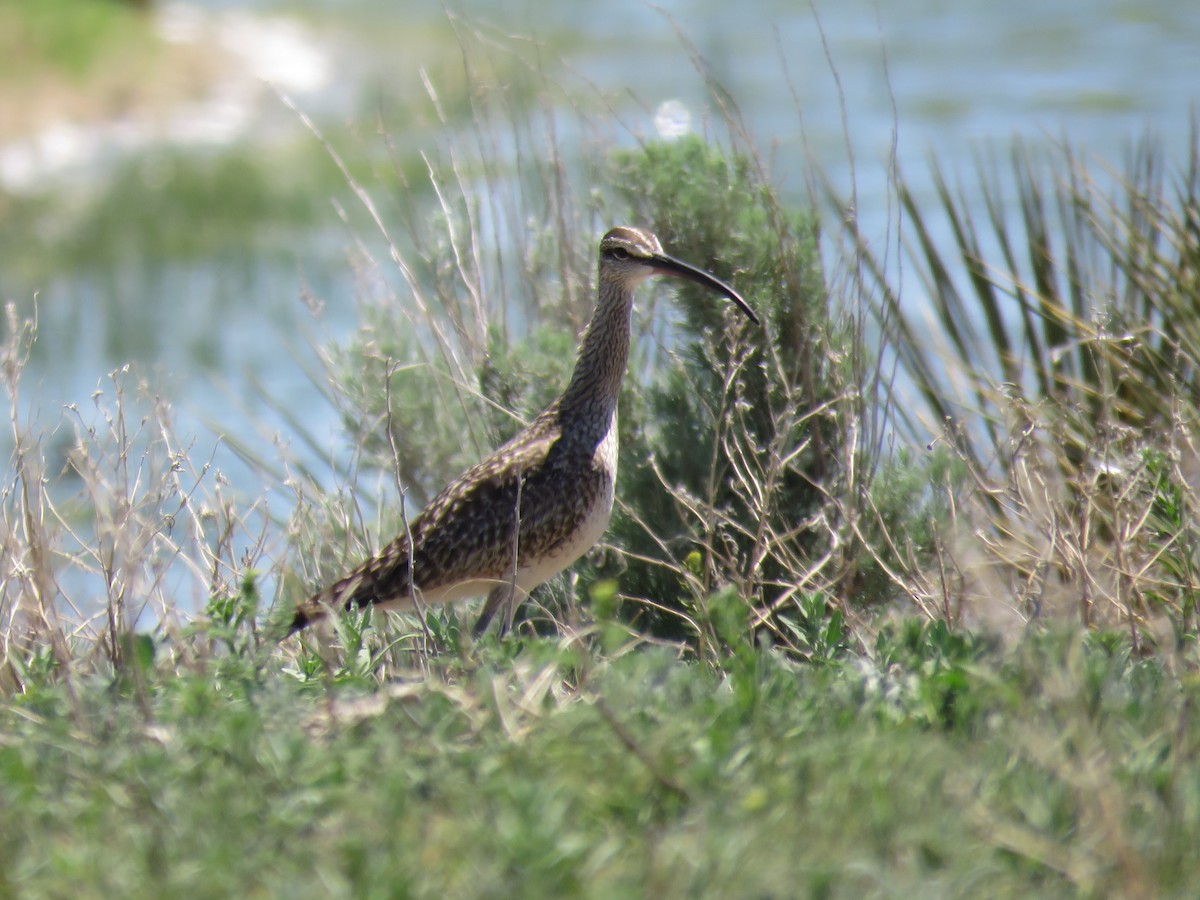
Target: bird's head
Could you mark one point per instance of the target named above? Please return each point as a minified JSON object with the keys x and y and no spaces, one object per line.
{"x":628,"y":256}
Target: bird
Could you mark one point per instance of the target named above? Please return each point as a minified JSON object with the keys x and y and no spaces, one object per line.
{"x":541,"y":500}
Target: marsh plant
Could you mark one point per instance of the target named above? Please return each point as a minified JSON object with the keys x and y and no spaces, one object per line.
{"x":1046,"y":462}
{"x":1060,"y":373}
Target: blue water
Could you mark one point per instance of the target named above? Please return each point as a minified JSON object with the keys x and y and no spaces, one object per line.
{"x":841,"y":85}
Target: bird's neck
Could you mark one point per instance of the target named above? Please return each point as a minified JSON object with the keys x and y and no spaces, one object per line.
{"x":595,"y":385}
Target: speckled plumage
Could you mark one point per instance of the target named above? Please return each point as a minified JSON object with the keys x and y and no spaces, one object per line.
{"x":551,"y":486}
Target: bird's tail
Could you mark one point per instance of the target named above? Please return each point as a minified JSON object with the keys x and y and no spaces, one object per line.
{"x":381,"y":579}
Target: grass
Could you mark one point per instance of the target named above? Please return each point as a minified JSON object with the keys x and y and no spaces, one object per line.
{"x":930,"y":765}
{"x":801,"y":666}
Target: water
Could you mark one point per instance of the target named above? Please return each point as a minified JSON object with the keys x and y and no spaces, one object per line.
{"x":210,"y":310}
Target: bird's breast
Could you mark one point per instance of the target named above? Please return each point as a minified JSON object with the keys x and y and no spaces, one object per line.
{"x":590,"y":528}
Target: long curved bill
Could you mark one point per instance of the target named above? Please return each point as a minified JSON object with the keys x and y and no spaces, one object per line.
{"x":669,"y":265}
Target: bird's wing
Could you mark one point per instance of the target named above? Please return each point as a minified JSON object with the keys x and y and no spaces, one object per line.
{"x":465,"y":533}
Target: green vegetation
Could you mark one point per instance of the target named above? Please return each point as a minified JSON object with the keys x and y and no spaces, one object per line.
{"x":803,"y":665}
{"x":930,"y":764}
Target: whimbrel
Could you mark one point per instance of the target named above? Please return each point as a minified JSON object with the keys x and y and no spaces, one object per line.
{"x":544,"y":498}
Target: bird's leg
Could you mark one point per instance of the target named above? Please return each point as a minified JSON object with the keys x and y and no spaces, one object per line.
{"x":501,"y":595}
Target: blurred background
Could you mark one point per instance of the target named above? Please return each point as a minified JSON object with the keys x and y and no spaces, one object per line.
{"x":163,"y":206}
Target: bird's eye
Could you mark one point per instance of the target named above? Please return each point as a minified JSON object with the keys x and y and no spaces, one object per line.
{"x":620,"y":253}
